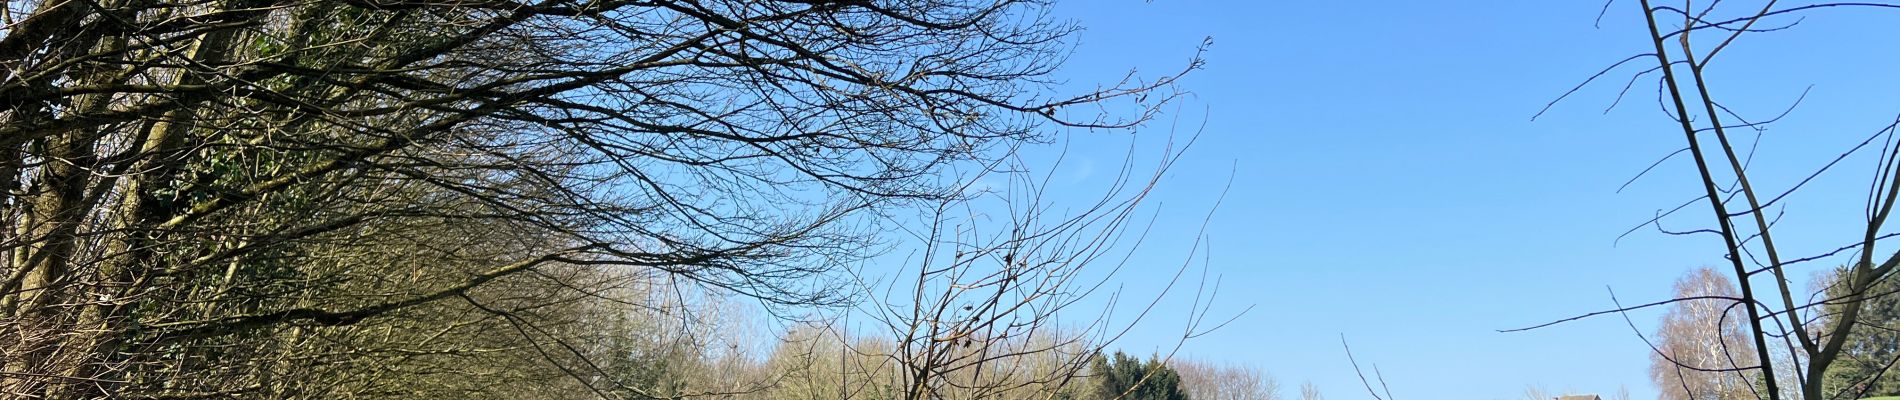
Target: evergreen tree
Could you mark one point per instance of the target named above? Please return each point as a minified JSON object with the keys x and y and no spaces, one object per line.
{"x":1866,"y":366}
{"x":1124,"y":377}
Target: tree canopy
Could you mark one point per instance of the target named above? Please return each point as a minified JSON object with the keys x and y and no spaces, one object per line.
{"x":304,"y":199}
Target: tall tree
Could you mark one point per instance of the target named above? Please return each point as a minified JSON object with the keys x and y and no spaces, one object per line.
{"x":225,"y":197}
{"x":1742,"y":202}
{"x":1702,"y":351}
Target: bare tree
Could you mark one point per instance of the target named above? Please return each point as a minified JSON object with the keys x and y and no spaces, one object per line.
{"x":1211,"y":381}
{"x":1534,"y":392}
{"x":1308,"y":391}
{"x":210,"y":194}
{"x":1702,"y":351}
{"x":978,"y":310}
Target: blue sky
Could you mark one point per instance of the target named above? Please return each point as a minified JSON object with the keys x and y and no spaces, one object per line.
{"x":1390,"y":185}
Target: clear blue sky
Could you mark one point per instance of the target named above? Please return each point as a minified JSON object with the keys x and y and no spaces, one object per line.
{"x":1389,"y":184}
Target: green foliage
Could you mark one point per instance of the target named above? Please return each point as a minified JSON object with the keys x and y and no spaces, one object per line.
{"x":1872,"y":343}
{"x":1125,"y":377}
